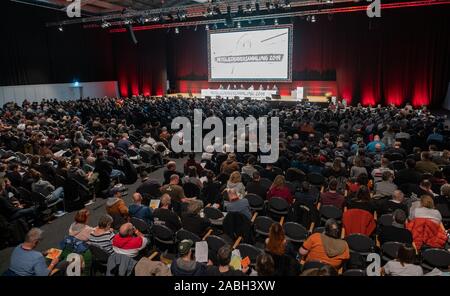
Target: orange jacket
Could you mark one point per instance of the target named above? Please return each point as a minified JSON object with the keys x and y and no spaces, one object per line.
{"x":358,"y":221}
{"x":426,"y":231}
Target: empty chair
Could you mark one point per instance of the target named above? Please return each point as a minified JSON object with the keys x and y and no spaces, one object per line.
{"x":385,"y":220}
{"x":389,"y":250}
{"x":354,"y":272}
{"x":183,"y":234}
{"x":163,"y":234}
{"x":295,"y":232}
{"x":255,"y":201}
{"x":248,"y":250}
{"x":214,"y":215}
{"x":360,"y":243}
{"x":435,"y":258}
{"x":278,"y":206}
{"x":140,"y":225}
{"x":330,"y":211}
{"x":262,"y":225}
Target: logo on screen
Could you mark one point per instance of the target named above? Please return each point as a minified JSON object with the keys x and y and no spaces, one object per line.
{"x":74,"y":8}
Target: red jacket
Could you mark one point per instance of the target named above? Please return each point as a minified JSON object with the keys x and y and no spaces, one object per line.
{"x":282,"y":192}
{"x":358,"y":221}
{"x":426,"y":231}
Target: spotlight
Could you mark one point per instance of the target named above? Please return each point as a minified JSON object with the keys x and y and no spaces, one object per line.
{"x":177,"y":31}
{"x":60,"y":28}
{"x":207,"y":27}
{"x":248,"y":8}
{"x":275,"y":22}
{"x":313,"y":19}
{"x":238,"y":25}
{"x":181,"y":15}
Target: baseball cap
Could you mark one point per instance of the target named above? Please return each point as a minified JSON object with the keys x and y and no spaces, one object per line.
{"x":184,"y":246}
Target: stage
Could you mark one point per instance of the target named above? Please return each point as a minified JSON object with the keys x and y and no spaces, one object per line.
{"x":290,"y":99}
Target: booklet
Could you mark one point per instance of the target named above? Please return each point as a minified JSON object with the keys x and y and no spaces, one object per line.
{"x":53,"y":253}
{"x":154,"y":204}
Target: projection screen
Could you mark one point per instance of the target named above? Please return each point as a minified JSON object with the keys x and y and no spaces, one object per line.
{"x":251,"y":54}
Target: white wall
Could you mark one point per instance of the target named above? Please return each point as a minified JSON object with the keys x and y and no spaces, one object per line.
{"x":61,"y":91}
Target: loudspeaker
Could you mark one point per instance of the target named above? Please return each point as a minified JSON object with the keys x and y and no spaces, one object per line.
{"x":131,"y":32}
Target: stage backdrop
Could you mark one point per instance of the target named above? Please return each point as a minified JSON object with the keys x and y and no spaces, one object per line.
{"x":403,"y":56}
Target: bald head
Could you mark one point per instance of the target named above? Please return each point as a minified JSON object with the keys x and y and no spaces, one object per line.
{"x":126,"y":230}
{"x":137,"y":198}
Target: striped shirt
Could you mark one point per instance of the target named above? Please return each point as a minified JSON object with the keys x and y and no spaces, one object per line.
{"x":103,"y":241}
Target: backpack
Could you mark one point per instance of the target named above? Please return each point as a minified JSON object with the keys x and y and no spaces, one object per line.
{"x":74,"y":245}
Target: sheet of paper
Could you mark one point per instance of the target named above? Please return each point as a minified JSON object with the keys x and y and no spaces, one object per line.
{"x":201,"y":251}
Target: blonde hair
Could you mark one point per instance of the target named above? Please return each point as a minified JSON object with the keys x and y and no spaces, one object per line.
{"x":235,"y":177}
{"x":427,"y":201}
{"x":278,"y":182}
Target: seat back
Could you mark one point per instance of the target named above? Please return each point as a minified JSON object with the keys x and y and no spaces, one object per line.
{"x":255,"y":201}
{"x":98,"y":254}
{"x":360,"y":243}
{"x":212,"y":213}
{"x":389,"y":250}
{"x":162,"y":234}
{"x":330,"y":211}
{"x":295,"y":232}
{"x":140,"y":225}
{"x":183,"y":234}
{"x":385,"y":220}
{"x":315,"y":179}
{"x":354,"y":272}
{"x":439,"y":258}
{"x":262,"y":225}
{"x":251,"y":251}
{"x":278,"y":205}
{"x":215,"y":243}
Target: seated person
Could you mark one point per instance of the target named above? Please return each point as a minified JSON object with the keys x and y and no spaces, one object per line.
{"x":176,"y":193}
{"x":192,"y":177}
{"x":13,"y":210}
{"x":149,"y":187}
{"x":331,"y":197}
{"x":249,"y":168}
{"x":397,"y":231}
{"x":326,"y":247}
{"x":165,"y":216}
{"x":129,"y":241}
{"x":236,"y":204}
{"x":115,"y":205}
{"x":102,"y":235}
{"x":25,"y":261}
{"x":426,"y":210}
{"x":43,"y":187}
{"x":79,"y":229}
{"x":404,"y":264}
{"x":140,"y":211}
{"x":279,"y":189}
{"x":386,"y":186}
{"x":224,"y":268}
{"x":276,"y":246}
{"x":255,"y":186}
{"x":396,"y":202}
{"x":210,"y":193}
{"x":170,"y":171}
{"x":185,"y":264}
{"x":192,"y":221}
{"x":192,"y":162}
{"x":362,"y":200}
{"x":234,"y":182}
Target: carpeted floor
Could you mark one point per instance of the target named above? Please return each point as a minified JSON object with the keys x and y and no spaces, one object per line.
{"x":55,"y":231}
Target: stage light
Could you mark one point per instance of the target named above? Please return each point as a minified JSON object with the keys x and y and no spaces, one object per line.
{"x":105,"y":25}
{"x":177,"y":31}
{"x":76,"y":84}
{"x":238,"y":25}
{"x":248,"y":8}
{"x":181,"y":15}
{"x":207,"y":27}
{"x":60,"y":28}
{"x":313,"y":19}
{"x":275,"y":22}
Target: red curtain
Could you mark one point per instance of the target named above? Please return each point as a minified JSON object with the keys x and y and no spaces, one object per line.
{"x":402,"y":56}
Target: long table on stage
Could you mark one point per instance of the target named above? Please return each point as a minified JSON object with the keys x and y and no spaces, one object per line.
{"x":241,"y":93}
